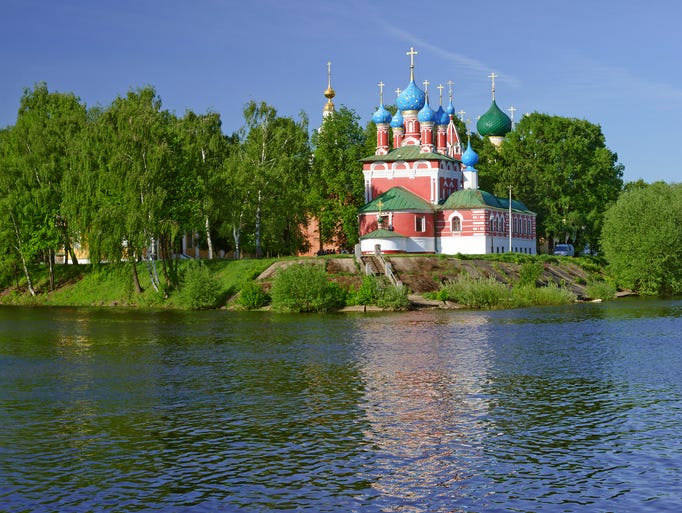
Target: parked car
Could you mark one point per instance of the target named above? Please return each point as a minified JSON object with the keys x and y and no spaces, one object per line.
{"x":564,"y":250}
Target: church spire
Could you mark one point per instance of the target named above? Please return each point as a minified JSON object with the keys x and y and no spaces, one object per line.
{"x":329,"y":93}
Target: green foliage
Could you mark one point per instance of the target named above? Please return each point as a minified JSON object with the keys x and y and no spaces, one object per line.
{"x":305,"y":288}
{"x":552,"y":294}
{"x":561,"y":169}
{"x":367,"y":293}
{"x":338,"y":189}
{"x":252,"y":296}
{"x":476,"y":292}
{"x":393,"y":297}
{"x":642,"y":239}
{"x":488,"y":293}
{"x":199,"y":288}
{"x":530,"y":273}
{"x":604,"y":290}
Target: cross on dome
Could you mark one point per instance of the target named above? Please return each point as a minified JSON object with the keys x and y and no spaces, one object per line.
{"x":411,"y":53}
{"x":381,"y":92}
{"x":450,"y":84}
{"x":440,"y":90}
{"x":493,"y":76}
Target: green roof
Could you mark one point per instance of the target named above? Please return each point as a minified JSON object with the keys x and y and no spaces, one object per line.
{"x":396,"y":199}
{"x":382,"y":233}
{"x":411,"y":152}
{"x":476,"y":198}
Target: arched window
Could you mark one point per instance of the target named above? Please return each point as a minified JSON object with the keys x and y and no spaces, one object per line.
{"x":456,"y":224}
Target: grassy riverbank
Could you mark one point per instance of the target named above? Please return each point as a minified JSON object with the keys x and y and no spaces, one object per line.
{"x":429,"y":281}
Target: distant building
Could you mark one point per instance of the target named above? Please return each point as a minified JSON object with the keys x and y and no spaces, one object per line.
{"x":422,"y":194}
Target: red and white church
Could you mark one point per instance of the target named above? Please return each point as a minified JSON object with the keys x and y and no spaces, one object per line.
{"x":422,"y":193}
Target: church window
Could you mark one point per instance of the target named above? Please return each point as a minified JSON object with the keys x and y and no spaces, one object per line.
{"x":420,"y":224}
{"x":456,"y":224}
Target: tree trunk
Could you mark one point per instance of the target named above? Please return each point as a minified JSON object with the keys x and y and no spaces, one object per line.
{"x":209,"y":241}
{"x":50,"y":263}
{"x":259,"y":251}
{"x":28,"y":275}
{"x":136,"y":278}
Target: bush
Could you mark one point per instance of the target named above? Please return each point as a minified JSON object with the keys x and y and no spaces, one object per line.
{"x":199,"y":288}
{"x":367,"y":293}
{"x":305,"y":288}
{"x":552,"y":294}
{"x":252,"y":296}
{"x":530,"y":273}
{"x":476,"y":292}
{"x":604,"y":290}
{"x":393,"y":297}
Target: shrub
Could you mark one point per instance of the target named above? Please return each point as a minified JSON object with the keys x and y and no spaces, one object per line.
{"x":305,"y":288}
{"x":530,"y":273}
{"x":367,"y":293}
{"x":199,"y":289}
{"x":393,"y":297}
{"x":252,"y":297}
{"x":552,"y":294}
{"x":601,"y":290}
{"x":476,"y":292}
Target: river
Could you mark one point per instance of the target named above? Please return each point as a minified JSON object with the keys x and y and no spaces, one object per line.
{"x":571,"y":409}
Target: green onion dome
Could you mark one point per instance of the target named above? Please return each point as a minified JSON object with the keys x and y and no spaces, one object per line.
{"x":494,"y":122}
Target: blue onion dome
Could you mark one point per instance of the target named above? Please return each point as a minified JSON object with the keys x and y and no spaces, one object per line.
{"x":442,"y":117}
{"x":382,"y":115}
{"x":426,"y":114}
{"x":450,"y":109}
{"x":412,"y":98}
{"x":469,"y":157}
{"x":397,"y":121}
{"x":494,"y":122}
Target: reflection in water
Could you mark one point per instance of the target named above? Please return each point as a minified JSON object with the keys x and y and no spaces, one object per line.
{"x":554,"y":409}
{"x":424,"y":375}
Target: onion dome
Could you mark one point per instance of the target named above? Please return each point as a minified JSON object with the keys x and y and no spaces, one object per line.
{"x":494,"y":122}
{"x":397,"y":121}
{"x":412,"y":98}
{"x":450,"y":109}
{"x":469,"y":157}
{"x":382,"y":115}
{"x":426,"y":114}
{"x":442,"y":118}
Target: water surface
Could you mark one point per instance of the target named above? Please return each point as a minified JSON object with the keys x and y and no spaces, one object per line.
{"x":554,"y":409}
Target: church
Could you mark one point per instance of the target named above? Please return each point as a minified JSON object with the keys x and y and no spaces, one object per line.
{"x":422,"y":193}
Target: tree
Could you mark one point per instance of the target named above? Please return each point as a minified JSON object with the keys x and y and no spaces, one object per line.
{"x":37,"y":156}
{"x":203,"y":150}
{"x":337,"y":186}
{"x":128,"y":163}
{"x":269,"y":172}
{"x":642,"y":239}
{"x":561,"y":168}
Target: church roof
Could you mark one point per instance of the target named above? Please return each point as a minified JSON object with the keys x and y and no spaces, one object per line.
{"x":396,"y":199}
{"x":411,"y":152}
{"x":476,"y":198}
{"x":383,"y":233}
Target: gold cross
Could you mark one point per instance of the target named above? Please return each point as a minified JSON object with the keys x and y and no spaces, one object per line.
{"x":380,"y":204}
{"x":329,"y":73}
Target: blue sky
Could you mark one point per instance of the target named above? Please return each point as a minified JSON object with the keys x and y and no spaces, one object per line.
{"x":612,"y":62}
